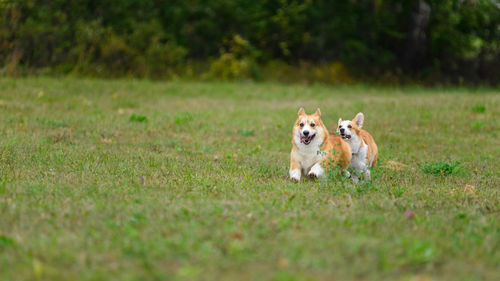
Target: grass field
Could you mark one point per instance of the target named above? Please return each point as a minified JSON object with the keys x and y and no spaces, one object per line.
{"x":140,"y":180}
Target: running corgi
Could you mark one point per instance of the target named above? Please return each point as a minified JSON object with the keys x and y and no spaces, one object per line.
{"x":313,"y":148}
{"x":363,"y":147}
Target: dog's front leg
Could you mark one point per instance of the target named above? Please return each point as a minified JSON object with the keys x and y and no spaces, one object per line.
{"x":316,"y":171}
{"x":295,"y":171}
{"x":355,"y":175}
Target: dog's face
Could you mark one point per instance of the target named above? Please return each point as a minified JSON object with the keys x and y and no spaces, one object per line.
{"x":349,"y":129}
{"x":308,"y":128}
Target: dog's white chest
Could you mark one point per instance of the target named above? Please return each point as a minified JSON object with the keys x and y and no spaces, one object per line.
{"x":308,"y":155}
{"x":307,"y":161}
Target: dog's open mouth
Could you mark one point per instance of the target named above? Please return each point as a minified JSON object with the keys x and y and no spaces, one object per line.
{"x":307,"y":140}
{"x":345,"y":137}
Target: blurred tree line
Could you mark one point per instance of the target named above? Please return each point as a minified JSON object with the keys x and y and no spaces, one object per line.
{"x":435,"y":41}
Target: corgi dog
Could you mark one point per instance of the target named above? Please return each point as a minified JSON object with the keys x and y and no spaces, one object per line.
{"x":313,"y":148}
{"x":363,"y":147}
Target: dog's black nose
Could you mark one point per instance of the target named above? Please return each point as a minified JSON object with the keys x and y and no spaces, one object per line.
{"x":342,"y":130}
{"x":306,"y":133}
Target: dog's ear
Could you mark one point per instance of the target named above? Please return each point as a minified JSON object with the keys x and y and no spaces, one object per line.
{"x":318,"y":112}
{"x":340,"y":121}
{"x":301,"y":112}
{"x":359,"y":119}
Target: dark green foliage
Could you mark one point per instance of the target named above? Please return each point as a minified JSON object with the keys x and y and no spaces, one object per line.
{"x":6,"y":241}
{"x":458,"y":41}
{"x":478,"y":108}
{"x":3,"y":185}
{"x":440,"y":168}
{"x":478,"y":125}
{"x":138,"y":118}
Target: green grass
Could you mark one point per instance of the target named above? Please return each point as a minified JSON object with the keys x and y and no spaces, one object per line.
{"x":200,"y":191}
{"x":444,"y":168}
{"x":138,"y":118}
{"x":478,"y":108}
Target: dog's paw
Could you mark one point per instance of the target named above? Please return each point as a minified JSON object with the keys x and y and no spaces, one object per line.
{"x":316,"y":171}
{"x":354,"y":178}
{"x":312,"y":175}
{"x":347,"y":174}
{"x":367,"y":174}
{"x":295,"y":175}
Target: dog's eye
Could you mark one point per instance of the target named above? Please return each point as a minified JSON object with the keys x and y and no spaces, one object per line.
{"x":312,"y":124}
{"x":340,"y":126}
{"x":349,"y":126}
{"x":302,"y":124}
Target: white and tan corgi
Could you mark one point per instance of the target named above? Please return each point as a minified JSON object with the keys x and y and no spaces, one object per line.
{"x":363,"y":147}
{"x":313,"y":148}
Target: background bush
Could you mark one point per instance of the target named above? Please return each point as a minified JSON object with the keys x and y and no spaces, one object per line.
{"x":451,"y":41}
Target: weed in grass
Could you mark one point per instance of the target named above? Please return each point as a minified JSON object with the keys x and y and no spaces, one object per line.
{"x":183,"y":117}
{"x":255,"y":150}
{"x":138,"y":118}
{"x":478,"y":108}
{"x":477,"y":125}
{"x":3,"y":185}
{"x":246,"y":132}
{"x":417,"y":251}
{"x":440,"y":168}
{"x":6,"y":241}
{"x":397,"y":191}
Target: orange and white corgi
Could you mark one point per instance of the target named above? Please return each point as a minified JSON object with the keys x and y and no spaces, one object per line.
{"x":313,"y":148}
{"x":363,"y":147}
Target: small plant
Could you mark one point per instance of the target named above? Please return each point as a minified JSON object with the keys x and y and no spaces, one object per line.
{"x":478,"y":108}
{"x":183,"y":117}
{"x":246,"y":132}
{"x":440,"y":168}
{"x":418,"y":251}
{"x":478,"y":125}
{"x":138,"y":118}
{"x":397,"y":191}
{"x":3,"y":185}
{"x":6,"y":241}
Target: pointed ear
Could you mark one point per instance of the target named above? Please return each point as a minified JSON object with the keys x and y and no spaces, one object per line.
{"x":318,"y":112}
{"x":340,"y":121}
{"x":301,"y":111}
{"x":359,"y":119}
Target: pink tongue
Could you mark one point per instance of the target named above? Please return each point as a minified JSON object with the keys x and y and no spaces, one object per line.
{"x":303,"y":139}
